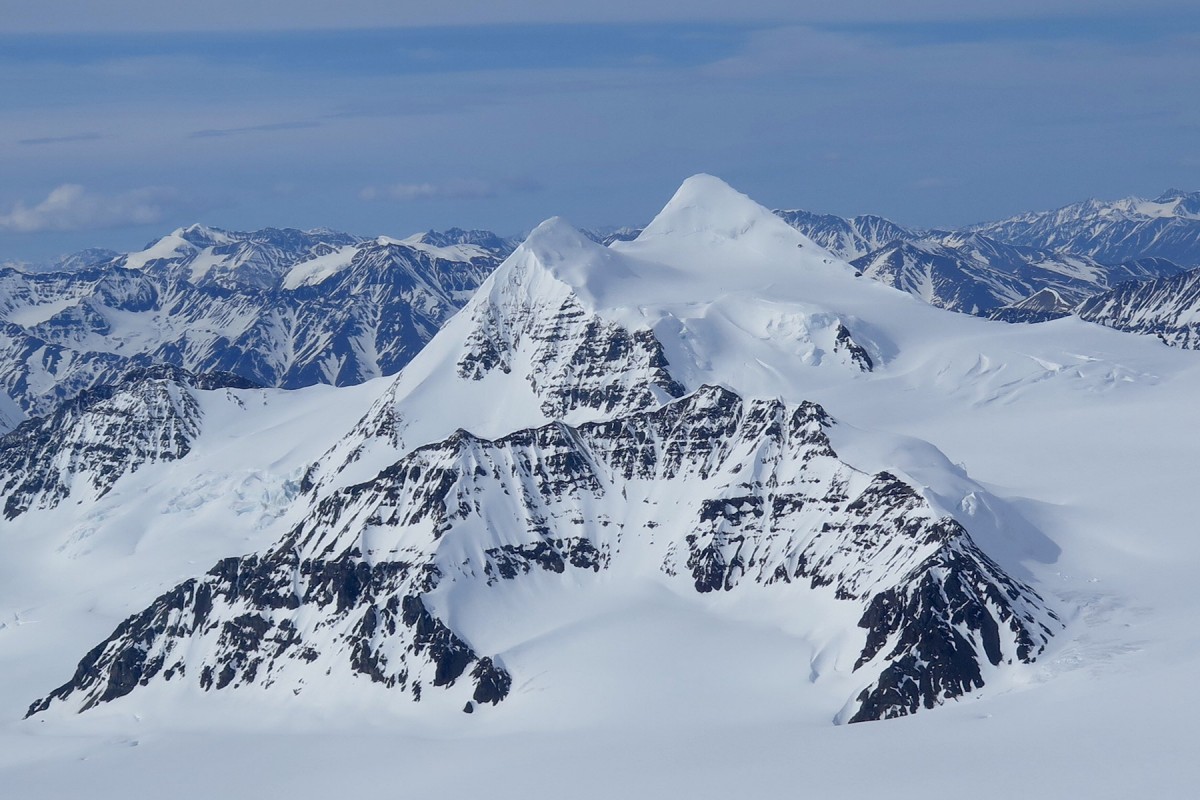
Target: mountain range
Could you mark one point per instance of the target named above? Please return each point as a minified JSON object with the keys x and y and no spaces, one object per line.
{"x":279,"y":307}
{"x":709,"y":482}
{"x":290,"y":308}
{"x":1112,"y":232}
{"x":1078,"y":251}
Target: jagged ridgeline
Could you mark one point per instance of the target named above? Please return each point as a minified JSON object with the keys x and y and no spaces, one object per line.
{"x":280,"y":308}
{"x":631,"y":414}
{"x":1167,"y":308}
{"x":995,"y":270}
{"x":757,"y":496}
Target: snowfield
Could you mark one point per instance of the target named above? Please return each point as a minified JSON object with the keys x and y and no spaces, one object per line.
{"x":1066,"y":450}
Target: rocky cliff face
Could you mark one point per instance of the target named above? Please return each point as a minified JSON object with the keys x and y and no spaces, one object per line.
{"x":87,"y":444}
{"x":717,"y":491}
{"x":1168,"y":308}
{"x":585,"y":419}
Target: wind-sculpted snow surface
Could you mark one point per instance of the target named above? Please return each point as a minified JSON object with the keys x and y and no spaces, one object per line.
{"x":150,"y":415}
{"x":711,"y":490}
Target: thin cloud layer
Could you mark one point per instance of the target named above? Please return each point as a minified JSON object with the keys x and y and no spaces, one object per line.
{"x":75,"y":137}
{"x":408,"y":192}
{"x":455,"y":189}
{"x":71,"y":207}
{"x":931,"y":124}
{"x":212,"y":133}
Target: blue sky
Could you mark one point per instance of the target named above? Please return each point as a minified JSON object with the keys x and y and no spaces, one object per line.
{"x":118,"y":126}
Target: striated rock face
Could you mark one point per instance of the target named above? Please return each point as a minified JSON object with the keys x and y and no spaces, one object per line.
{"x":578,"y":359}
{"x":712,"y":491}
{"x":149,"y":415}
{"x":1168,"y":308}
{"x":276,"y":618}
{"x":930,"y":635}
{"x":602,"y":465}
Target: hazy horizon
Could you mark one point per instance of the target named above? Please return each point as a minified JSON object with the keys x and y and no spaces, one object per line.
{"x":121,"y":126}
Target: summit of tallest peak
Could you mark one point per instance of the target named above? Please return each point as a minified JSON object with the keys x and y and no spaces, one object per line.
{"x":706,"y":204}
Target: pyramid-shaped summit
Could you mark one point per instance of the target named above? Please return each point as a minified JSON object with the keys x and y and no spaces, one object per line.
{"x":705,"y":204}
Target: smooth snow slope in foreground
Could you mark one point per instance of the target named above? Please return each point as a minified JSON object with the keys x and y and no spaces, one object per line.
{"x":1086,"y":433}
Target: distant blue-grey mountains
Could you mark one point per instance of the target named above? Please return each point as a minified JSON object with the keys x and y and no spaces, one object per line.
{"x":1126,"y":263}
{"x":290,"y":308}
{"x":1112,"y":232}
{"x":279,"y":307}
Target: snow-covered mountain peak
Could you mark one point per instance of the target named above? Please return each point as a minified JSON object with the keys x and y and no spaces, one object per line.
{"x":556,"y":240}
{"x":148,"y":415}
{"x":718,"y":242}
{"x":712,"y":494}
{"x":203,"y":235}
{"x":705,"y":206}
{"x":646,"y":417}
{"x":559,"y":259}
{"x":1181,"y":203}
{"x":962,"y":239}
{"x":488,"y":241}
{"x":846,"y":238}
{"x":171,"y":245}
{"x":569,"y":329}
{"x":664,"y":269}
{"x":1167,"y":308}
{"x":454,"y":244}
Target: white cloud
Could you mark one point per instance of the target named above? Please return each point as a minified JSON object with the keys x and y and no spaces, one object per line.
{"x":454,"y":189}
{"x":71,"y":207}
